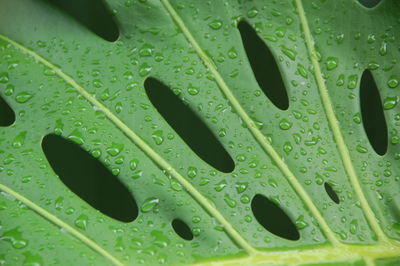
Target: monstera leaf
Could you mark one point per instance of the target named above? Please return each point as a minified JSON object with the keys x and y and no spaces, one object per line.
{"x":186,"y":131}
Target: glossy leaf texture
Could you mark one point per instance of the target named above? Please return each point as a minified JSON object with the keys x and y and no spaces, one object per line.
{"x":300,"y":180}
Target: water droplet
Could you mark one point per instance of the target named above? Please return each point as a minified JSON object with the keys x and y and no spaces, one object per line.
{"x":193,"y":90}
{"x":232,"y":53}
{"x":393,"y":82}
{"x":241,"y":157}
{"x":115,"y":149}
{"x":96,"y":153}
{"x":9,"y":90}
{"x":196,"y":219}
{"x":220,"y":186}
{"x":332,"y":63}
{"x":285,"y":124}
{"x":253,"y":12}
{"x":41,"y":44}
{"x":77,"y":137}
{"x":49,"y":72}
{"x":133,"y":164}
{"x":222,"y":132}
{"x":149,"y":204}
{"x":160,"y":240}
{"x":390,"y":102}
{"x":23,"y":97}
{"x":175,"y":185}
{"x":383,"y":49}
{"x":287,"y":147}
{"x":4,"y":77}
{"x":340,"y":80}
{"x":97,"y":83}
{"x":146,"y":50}
{"x":272,"y":182}
{"x":14,"y":236}
{"x":241,"y":186}
{"x":354,"y":226}
{"x":58,"y":129}
{"x":158,"y":137}
{"x":300,"y":223}
{"x":289,"y":52}
{"x":361,"y":149}
{"x":302,"y":70}
{"x":192,"y":172}
{"x":82,"y":221}
{"x":215,"y":24}
{"x":231,"y":203}
{"x":19,"y":140}
{"x":144,"y":69}
{"x":118,"y":107}
{"x":373,"y":66}
{"x":353,"y":79}
{"x":357,"y":118}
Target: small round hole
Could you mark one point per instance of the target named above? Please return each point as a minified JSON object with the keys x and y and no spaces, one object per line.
{"x":182,"y":229}
{"x":331,"y":193}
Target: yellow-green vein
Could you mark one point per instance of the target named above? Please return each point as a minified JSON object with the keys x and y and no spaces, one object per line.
{"x":334,"y":125}
{"x":90,"y":243}
{"x":252,"y":126}
{"x":316,"y":255}
{"x":156,"y":158}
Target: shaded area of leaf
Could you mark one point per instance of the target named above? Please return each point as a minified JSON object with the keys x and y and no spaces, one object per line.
{"x":89,"y":178}
{"x":7,"y":115}
{"x":372,"y":114}
{"x":264,"y":66}
{"x":273,"y":218}
{"x":93,"y":14}
{"x":188,"y":125}
{"x":388,"y":262}
{"x":182,"y":229}
{"x":369,"y":3}
{"x":331,"y":193}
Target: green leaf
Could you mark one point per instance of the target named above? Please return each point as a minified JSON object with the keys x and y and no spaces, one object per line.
{"x":313,"y":184}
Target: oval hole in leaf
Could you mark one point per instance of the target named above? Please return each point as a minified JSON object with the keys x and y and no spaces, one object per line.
{"x":264,"y":66}
{"x":182,"y":229}
{"x":188,"y":125}
{"x":369,"y":3}
{"x":273,"y":218}
{"x":331,"y":193}
{"x":93,"y":14}
{"x":7,"y":115}
{"x":372,"y":114}
{"x":89,"y":179}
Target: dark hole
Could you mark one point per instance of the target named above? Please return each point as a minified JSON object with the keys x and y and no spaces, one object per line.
{"x":188,"y":125}
{"x":89,"y":179}
{"x":331,"y":193}
{"x":7,"y":116}
{"x":264,"y":66}
{"x":273,"y":218}
{"x":372,"y":114}
{"x":182,"y":229}
{"x":93,"y":14}
{"x":369,"y":3}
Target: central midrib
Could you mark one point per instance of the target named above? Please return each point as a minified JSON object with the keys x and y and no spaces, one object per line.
{"x":257,"y":134}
